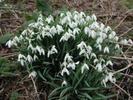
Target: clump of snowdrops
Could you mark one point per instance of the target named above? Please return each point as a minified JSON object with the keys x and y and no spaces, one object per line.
{"x":71,"y":52}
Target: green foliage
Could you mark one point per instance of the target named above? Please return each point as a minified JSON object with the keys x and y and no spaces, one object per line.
{"x":14,"y":95}
{"x":4,"y":38}
{"x":43,"y":5}
{"x":7,"y":68}
{"x":128,"y":3}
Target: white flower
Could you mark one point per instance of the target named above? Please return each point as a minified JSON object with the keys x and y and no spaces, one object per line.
{"x":59,"y":29}
{"x":106,"y":50}
{"x":9,"y":43}
{"x":84,"y":67}
{"x":87,"y":30}
{"x":71,"y":65}
{"x":94,"y":17}
{"x":95,"y":61}
{"x":125,"y":42}
{"x":52,"y":51}
{"x":82,"y":14}
{"x":93,"y":55}
{"x":99,"y":46}
{"x":88,"y":18}
{"x":76,"y":31}
{"x":72,"y":25}
{"x":40,"y":50}
{"x":49,"y":19}
{"x":16,"y":39}
{"x":112,"y":35}
{"x":117,"y":46}
{"x":33,"y":74}
{"x":64,"y":83}
{"x":35,"y":57}
{"x":29,"y":58}
{"x":107,"y":29}
{"x":109,"y":77}
{"x":65,"y":70}
{"x":21,"y":59}
{"x":109,"y":63}
{"x":99,"y":40}
{"x":99,"y":67}
{"x":130,"y":41}
{"x":53,"y":30}
{"x":68,"y":58}
{"x":81,"y":45}
{"x":66,"y":36}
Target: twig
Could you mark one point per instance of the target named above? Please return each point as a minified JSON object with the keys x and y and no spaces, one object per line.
{"x":122,"y":58}
{"x":123,"y":90}
{"x":126,"y":31}
{"x":128,"y":66}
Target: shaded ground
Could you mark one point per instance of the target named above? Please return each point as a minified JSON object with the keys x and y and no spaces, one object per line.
{"x":115,"y":13}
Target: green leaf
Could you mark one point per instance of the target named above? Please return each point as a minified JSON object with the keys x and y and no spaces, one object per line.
{"x":55,"y":92}
{"x":65,"y":91}
{"x":5,"y":38}
{"x":43,"y":6}
{"x":87,"y":96}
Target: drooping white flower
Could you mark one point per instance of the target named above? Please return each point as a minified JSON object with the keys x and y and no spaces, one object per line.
{"x":33,"y":74}
{"x":117,"y":46}
{"x":67,"y":36}
{"x":65,"y":70}
{"x":16,"y":39}
{"x":49,"y":19}
{"x":59,"y":29}
{"x":109,"y":63}
{"x":93,"y":55}
{"x":35,"y":57}
{"x":88,"y":18}
{"x":68,"y":58}
{"x":29,"y":58}
{"x":95,"y":61}
{"x":53,"y":30}
{"x":84,"y":67}
{"x":72,"y":25}
{"x":81,"y":45}
{"x":94,"y":17}
{"x":9,"y":43}
{"x":99,"y":67}
{"x":112,"y":35}
{"x":99,"y":40}
{"x":40,"y":50}
{"x":124,"y":41}
{"x":52,"y":51}
{"x":64,"y":83}
{"x":76,"y":31}
{"x":22,"y":59}
{"x":99,"y":46}
{"x":106,"y":50}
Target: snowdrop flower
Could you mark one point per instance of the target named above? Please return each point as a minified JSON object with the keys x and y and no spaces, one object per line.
{"x":39,"y":37}
{"x":53,"y":30}
{"x":82,"y":14}
{"x":99,"y":67}
{"x":52,"y":51}
{"x":107,"y":29}
{"x":109,"y":77}
{"x":99,"y":40}
{"x":88,"y":18}
{"x":71,"y":65}
{"x":20,"y":56}
{"x":99,"y":46}
{"x":68,"y":58}
{"x":112,"y":35}
{"x":9,"y":44}
{"x":109,"y":63}
{"x":29,"y":58}
{"x":130,"y":41}
{"x":72,"y":25}
{"x":64,"y":83}
{"x":106,"y":49}
{"x":125,"y":42}
{"x":93,"y":55}
{"x":94,"y":17}
{"x":59,"y":29}
{"x":40,"y":50}
{"x":68,"y":13}
{"x":117,"y":46}
{"x":65,"y":70}
{"x":76,"y":31}
{"x":81,"y":45}
{"x":33,"y":74}
{"x":49,"y":19}
{"x":16,"y":39}
{"x":95,"y":61}
{"x":84,"y":67}
{"x":87,"y":30}
{"x":66,"y":36}
{"x":35,"y":57}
